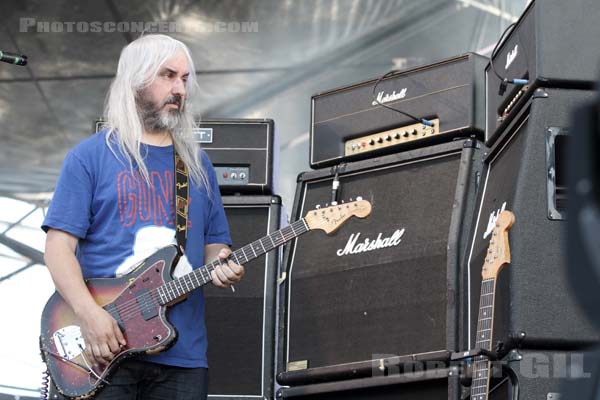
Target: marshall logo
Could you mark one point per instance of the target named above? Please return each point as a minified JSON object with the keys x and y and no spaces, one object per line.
{"x":383,"y":98}
{"x":510,"y":57}
{"x":492,"y":221}
{"x":354,"y":246}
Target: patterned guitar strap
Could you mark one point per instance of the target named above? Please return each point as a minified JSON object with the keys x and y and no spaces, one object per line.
{"x":181,"y":201}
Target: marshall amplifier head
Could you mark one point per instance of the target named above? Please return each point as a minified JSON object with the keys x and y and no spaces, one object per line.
{"x":553,"y":44}
{"x":241,"y":151}
{"x":348,"y":123}
{"x":383,"y":285}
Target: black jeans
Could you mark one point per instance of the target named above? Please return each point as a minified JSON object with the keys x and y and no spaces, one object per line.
{"x":137,"y":380}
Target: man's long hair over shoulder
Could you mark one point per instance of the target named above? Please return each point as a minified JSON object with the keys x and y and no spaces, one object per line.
{"x":139,"y":65}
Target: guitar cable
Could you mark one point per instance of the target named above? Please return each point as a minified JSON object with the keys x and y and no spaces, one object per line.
{"x":86,"y":367}
{"x":376,"y":100}
{"x":505,"y":81}
{"x":44,"y":389}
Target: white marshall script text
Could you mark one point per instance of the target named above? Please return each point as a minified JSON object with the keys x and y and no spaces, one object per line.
{"x":354,"y":246}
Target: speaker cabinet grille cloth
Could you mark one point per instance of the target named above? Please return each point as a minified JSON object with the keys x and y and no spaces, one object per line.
{"x":348,"y":300}
{"x":241,"y":325}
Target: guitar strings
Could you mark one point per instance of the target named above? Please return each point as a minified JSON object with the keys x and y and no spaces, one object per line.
{"x":130,"y":308}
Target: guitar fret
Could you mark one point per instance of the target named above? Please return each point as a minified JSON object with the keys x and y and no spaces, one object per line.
{"x":162,"y":299}
{"x":263,"y":247}
{"x":245,"y":256}
{"x":304,"y":223}
{"x":206,"y":278}
{"x":198,"y":284}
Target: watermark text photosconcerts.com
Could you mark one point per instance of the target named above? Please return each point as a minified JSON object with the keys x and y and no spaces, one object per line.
{"x":33,"y":25}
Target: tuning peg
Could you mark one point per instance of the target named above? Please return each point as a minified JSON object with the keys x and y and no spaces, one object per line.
{"x":326,"y":204}
{"x":334,"y":203}
{"x":318,"y":206}
{"x":342,"y":201}
{"x":358,"y":198}
{"x":350,"y":199}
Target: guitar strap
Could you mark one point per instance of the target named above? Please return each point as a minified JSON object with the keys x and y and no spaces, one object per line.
{"x":181,"y":200}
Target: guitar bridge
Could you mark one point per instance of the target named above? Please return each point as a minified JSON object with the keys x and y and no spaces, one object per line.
{"x":68,"y":342}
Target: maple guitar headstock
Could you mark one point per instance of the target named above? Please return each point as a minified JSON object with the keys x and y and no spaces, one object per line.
{"x":329,"y":219}
{"x":498,"y":253}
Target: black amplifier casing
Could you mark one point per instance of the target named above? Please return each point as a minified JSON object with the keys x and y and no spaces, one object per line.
{"x":451,"y":90}
{"x":243,"y":143}
{"x":525,"y":172}
{"x":340,"y":304}
{"x":237,"y":143}
{"x":556,"y":44}
{"x":247,"y":353}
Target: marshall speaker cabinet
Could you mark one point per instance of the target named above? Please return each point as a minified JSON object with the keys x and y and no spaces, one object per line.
{"x":241,"y":151}
{"x":554,"y":44}
{"x":525,"y":173}
{"x":241,"y":324}
{"x":384,"y":285}
{"x":348,"y":124}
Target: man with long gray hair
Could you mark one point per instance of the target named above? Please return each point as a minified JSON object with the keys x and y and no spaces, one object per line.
{"x":113,"y":206}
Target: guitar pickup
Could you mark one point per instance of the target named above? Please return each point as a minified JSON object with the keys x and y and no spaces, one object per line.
{"x":148,"y":307}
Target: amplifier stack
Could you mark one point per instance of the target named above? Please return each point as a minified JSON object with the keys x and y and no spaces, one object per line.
{"x":399,"y":291}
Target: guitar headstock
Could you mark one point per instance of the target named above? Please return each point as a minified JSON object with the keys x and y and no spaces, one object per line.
{"x":331,"y":218}
{"x":498,"y":253}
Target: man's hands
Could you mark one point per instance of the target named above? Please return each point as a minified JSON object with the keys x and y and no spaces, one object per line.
{"x":100,"y":331}
{"x":102,"y":336}
{"x":228,"y":272}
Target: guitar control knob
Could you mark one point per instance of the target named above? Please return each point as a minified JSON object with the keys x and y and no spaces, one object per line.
{"x":242,"y":175}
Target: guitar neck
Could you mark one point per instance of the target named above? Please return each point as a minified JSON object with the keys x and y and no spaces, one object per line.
{"x":180,"y":287}
{"x":485,"y":323}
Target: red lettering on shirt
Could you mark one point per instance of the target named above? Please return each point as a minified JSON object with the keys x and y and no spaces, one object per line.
{"x":138,"y":200}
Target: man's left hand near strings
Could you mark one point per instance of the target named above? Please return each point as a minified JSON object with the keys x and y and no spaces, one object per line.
{"x":228,"y":273}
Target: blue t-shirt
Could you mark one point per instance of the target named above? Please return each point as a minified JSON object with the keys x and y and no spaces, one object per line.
{"x":120,"y":220}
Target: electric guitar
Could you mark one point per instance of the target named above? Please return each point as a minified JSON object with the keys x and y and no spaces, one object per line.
{"x":498,"y":255}
{"x":139,"y":301}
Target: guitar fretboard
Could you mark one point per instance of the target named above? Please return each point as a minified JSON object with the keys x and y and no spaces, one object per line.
{"x":179,"y":287}
{"x":481,"y":365}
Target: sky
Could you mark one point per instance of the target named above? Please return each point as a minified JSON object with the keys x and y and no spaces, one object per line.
{"x":22,"y":298}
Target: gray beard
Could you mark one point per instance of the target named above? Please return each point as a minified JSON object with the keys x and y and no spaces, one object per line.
{"x":154,"y":120}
